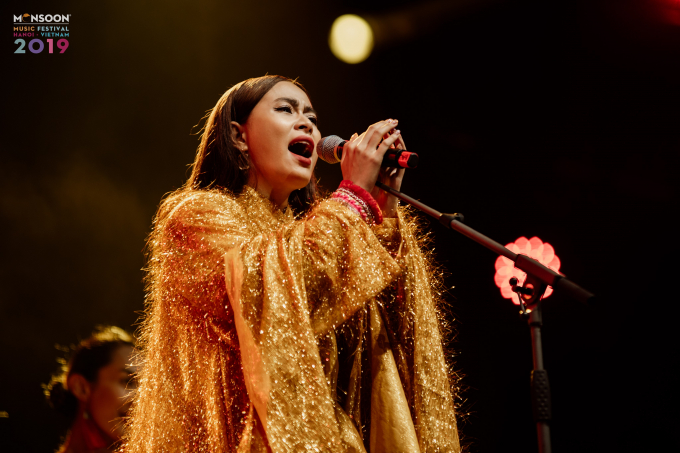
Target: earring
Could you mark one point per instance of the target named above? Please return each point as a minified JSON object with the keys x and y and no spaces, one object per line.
{"x":244,"y":160}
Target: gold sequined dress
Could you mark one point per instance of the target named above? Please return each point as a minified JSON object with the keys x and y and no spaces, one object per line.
{"x":248,"y":309}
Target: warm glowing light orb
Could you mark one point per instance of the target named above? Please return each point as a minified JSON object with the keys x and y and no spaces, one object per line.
{"x":351,"y":39}
{"x":541,"y":251}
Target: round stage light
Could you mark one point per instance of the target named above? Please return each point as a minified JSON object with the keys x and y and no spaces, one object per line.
{"x":541,"y":251}
{"x":351,"y":39}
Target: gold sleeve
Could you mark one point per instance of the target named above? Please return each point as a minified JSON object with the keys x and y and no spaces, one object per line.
{"x":301,"y":280}
{"x":407,"y":314}
{"x":284,"y":281}
{"x":418,"y":338}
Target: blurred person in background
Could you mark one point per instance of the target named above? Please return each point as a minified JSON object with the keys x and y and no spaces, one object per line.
{"x":92,"y":390}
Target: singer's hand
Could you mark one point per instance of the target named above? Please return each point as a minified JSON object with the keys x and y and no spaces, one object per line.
{"x":392,"y":177}
{"x":362,"y":155}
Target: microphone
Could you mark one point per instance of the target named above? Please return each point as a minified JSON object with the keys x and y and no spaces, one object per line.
{"x":330,"y":150}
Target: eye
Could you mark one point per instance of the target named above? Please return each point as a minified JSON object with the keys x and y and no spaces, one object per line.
{"x":285,"y":108}
{"x":314,"y":120}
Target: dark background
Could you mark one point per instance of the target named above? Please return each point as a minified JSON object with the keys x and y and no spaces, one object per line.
{"x":550,"y":119}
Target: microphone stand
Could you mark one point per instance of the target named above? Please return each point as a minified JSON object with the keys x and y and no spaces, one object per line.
{"x":539,"y":277}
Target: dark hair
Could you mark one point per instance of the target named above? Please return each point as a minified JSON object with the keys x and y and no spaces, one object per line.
{"x":218,"y":159}
{"x":86,"y":359}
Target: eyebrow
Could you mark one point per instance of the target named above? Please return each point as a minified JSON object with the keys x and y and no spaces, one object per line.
{"x":296,"y":104}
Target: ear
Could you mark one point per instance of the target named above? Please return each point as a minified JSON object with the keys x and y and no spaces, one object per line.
{"x":80,"y":387}
{"x":238,"y":134}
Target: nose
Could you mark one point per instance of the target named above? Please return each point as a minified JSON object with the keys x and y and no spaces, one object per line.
{"x":305,"y":124}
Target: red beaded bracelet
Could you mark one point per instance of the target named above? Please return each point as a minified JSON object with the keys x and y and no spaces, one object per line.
{"x":356,"y":207}
{"x":364,"y":196}
{"x":359,"y":204}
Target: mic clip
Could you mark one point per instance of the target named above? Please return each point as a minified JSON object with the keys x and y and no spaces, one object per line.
{"x":446,"y":219}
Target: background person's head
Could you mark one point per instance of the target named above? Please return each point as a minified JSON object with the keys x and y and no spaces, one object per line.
{"x":94,"y":385}
{"x":238,"y":147}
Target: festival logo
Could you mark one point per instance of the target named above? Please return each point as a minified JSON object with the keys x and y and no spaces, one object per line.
{"x":37,"y":32}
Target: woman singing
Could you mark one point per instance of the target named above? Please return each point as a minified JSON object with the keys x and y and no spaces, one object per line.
{"x":256,"y":285}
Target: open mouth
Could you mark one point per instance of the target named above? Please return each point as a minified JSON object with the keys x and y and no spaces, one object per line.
{"x":302,"y":148}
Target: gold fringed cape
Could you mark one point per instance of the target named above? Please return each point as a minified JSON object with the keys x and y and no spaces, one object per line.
{"x":247,"y":310}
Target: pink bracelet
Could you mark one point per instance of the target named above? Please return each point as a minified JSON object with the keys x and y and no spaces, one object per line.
{"x":352,"y":204}
{"x":365,"y":197}
{"x":360,"y":204}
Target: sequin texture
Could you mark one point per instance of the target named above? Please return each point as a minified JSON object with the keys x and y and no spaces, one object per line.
{"x":264,"y":332}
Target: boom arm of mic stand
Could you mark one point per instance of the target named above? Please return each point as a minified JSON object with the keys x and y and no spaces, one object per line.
{"x":529,"y":265}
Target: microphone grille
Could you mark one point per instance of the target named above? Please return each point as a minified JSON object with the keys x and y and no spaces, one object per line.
{"x":326,"y":148}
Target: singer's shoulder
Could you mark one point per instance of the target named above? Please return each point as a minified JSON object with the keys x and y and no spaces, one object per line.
{"x":190,"y":206}
{"x":203,"y":221}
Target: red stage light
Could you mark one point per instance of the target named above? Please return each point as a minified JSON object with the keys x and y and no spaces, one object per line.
{"x":667,"y":10}
{"x":541,"y":251}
